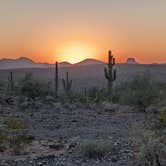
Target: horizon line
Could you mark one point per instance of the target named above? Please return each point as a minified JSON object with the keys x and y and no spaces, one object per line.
{"x":21,"y":57}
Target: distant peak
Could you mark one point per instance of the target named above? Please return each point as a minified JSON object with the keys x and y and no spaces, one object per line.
{"x":65,"y":63}
{"x":24,"y":58}
{"x":89,"y":61}
{"x":131,"y":61}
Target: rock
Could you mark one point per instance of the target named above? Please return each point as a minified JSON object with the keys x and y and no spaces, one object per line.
{"x":116,"y":143}
{"x":114,"y":158}
{"x":4,"y":163}
{"x":151,"y":109}
{"x":57,"y":106}
{"x":74,"y":120}
{"x":109,"y":107}
{"x":38,"y":104}
{"x":9,"y":100}
{"x":70,"y":106}
{"x":125,"y":108}
{"x":56,"y":146}
{"x":25,"y":104}
{"x":40,"y":164}
{"x":73,"y":142}
{"x":50,"y":98}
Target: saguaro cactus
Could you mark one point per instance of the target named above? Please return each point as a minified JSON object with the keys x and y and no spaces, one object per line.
{"x":10,"y":80}
{"x":110,"y":73}
{"x":56,"y":78}
{"x":67,"y":84}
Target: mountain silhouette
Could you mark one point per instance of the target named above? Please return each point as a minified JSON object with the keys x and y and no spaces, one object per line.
{"x":131,"y":61}
{"x":24,"y":62}
{"x":89,"y":61}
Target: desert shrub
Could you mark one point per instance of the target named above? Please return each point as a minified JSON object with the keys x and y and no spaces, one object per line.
{"x":71,"y":97}
{"x":96,"y":94}
{"x":3,"y":85}
{"x":92,"y":97}
{"x":13,"y":135}
{"x":141,"y":91}
{"x":160,"y":101}
{"x":95,"y":149}
{"x":32,"y":88}
{"x":3,"y":139}
{"x":14,"y":124}
{"x":152,"y":153}
{"x":161,"y":119}
{"x":139,"y":136}
{"x":29,"y":87}
{"x":159,"y":127}
{"x":17,"y":142}
{"x":150,"y":147}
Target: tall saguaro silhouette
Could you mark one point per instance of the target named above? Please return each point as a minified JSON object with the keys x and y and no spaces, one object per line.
{"x":110,"y":73}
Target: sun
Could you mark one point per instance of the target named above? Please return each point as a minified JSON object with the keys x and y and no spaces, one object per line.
{"x":74,"y":52}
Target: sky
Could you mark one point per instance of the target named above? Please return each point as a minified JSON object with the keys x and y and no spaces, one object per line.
{"x":72,"y":30}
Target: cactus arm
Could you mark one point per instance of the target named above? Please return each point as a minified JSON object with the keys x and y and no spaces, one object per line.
{"x":106,"y":73}
{"x":70,"y":84}
{"x":113,"y":61}
{"x":67,"y":84}
{"x":64,"y":83}
{"x":114,"y":76}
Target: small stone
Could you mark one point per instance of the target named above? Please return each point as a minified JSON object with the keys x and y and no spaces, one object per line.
{"x":114,"y":159}
{"x":109,"y":107}
{"x":56,"y":146}
{"x":4,"y":163}
{"x":40,"y":164}
{"x":50,"y":98}
{"x":151,"y":109}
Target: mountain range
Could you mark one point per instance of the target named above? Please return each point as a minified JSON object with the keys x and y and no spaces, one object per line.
{"x":24,"y":62}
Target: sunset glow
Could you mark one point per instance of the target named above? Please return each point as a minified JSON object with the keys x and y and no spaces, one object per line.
{"x":74,"y":52}
{"x":73,"y":30}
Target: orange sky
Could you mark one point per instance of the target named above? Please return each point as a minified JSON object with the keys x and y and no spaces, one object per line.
{"x":73,"y":30}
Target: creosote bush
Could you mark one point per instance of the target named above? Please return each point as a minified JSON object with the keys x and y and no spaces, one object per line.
{"x":3,"y":85}
{"x":14,"y":124}
{"x":96,"y":94}
{"x":149,"y":141}
{"x":32,"y":88}
{"x":141,"y":91}
{"x":152,"y":153}
{"x":160,"y":125}
{"x":161,"y":119}
{"x":17,"y":142}
{"x":13,"y":135}
{"x":95,"y":149}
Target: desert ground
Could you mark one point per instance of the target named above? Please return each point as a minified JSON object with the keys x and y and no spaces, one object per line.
{"x":89,"y":75}
{"x":59,"y":127}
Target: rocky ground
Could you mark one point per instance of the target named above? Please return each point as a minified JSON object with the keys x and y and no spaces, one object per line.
{"x":59,"y":127}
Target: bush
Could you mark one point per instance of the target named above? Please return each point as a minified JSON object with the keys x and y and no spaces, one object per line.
{"x":32,"y":88}
{"x":17,"y":142}
{"x":160,"y":125}
{"x":14,"y":124}
{"x":3,"y":85}
{"x":152,"y":153}
{"x":96,"y":95}
{"x":95,"y":149}
{"x":161,"y":119}
{"x":151,"y":148}
{"x":141,"y":92}
{"x":13,"y":136}
{"x":3,"y":139}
